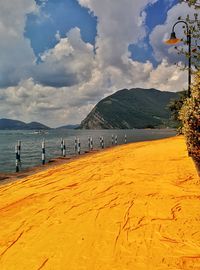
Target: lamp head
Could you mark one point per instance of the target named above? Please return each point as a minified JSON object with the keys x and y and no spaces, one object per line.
{"x":173,"y":39}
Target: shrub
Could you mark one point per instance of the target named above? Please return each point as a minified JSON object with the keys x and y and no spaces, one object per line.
{"x":190,"y":117}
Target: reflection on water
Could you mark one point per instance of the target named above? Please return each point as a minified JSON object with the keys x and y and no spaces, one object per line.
{"x":31,"y":143}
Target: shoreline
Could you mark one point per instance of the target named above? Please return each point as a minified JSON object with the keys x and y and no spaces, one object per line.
{"x":8,"y":177}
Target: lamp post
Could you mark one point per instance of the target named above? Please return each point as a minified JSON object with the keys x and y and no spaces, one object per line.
{"x":174,"y":40}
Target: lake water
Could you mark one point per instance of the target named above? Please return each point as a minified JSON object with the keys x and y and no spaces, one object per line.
{"x":31,"y":143}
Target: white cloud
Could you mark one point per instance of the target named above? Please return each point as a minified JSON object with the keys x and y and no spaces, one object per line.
{"x":72,"y":78}
{"x":168,"y":77}
{"x":162,"y":32}
{"x":30,"y":101}
{"x":71,"y":61}
{"x":119,"y":25}
{"x":16,"y":53}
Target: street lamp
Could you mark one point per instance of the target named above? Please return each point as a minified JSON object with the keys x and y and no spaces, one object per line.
{"x":174,"y":40}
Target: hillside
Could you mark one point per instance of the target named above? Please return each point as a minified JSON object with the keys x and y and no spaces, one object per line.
{"x":17,"y":125}
{"x":68,"y":127}
{"x":134,"y":108}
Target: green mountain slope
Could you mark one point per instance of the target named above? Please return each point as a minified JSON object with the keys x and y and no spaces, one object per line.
{"x":134,"y":108}
{"x":19,"y":125}
{"x":68,"y":127}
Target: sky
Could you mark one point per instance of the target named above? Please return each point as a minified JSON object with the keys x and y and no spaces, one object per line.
{"x":60,"y":57}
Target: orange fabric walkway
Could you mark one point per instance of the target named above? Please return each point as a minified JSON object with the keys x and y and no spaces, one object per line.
{"x":132,"y":207}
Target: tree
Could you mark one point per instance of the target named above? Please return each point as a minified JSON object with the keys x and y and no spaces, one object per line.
{"x":190,"y":117}
{"x":175,"y":106}
{"x":190,"y":111}
{"x":194,"y":3}
{"x":194,"y":30}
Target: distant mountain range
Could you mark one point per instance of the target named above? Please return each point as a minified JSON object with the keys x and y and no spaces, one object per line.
{"x":9,"y":124}
{"x":125,"y":109}
{"x":134,"y":108}
{"x":69,"y":127}
{"x":17,"y":125}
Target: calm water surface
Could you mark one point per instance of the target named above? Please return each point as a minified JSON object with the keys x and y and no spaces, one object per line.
{"x":31,"y":143}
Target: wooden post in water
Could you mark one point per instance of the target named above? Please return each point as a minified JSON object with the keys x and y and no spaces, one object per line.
{"x":112,"y":139}
{"x":43,"y":152}
{"x":79,"y":146}
{"x":91,"y":143}
{"x":75,"y":145}
{"x":115,"y":139}
{"x":102,"y":142}
{"x":125,"y":138}
{"x":17,"y":158}
{"x":61,"y":146}
{"x":19,"y":152}
{"x":64,"y":149}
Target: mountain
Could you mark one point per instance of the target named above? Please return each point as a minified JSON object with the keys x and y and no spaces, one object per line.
{"x":134,"y":108}
{"x":69,"y":127}
{"x":36,"y":125}
{"x":17,"y":125}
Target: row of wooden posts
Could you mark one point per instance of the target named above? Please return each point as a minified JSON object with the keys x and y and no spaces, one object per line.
{"x":77,"y":148}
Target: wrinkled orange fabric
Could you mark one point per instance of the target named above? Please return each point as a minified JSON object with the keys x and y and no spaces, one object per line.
{"x":132,"y":207}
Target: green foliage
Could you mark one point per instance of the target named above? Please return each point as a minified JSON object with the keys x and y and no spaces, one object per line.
{"x":194,"y":3}
{"x":175,"y":106}
{"x":190,"y":111}
{"x":194,"y":30}
{"x":190,"y":117}
{"x":193,"y":23}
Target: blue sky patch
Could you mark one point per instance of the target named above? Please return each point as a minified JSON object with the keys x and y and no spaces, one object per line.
{"x":156,"y":14}
{"x":59,"y":15}
{"x":63,"y":15}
